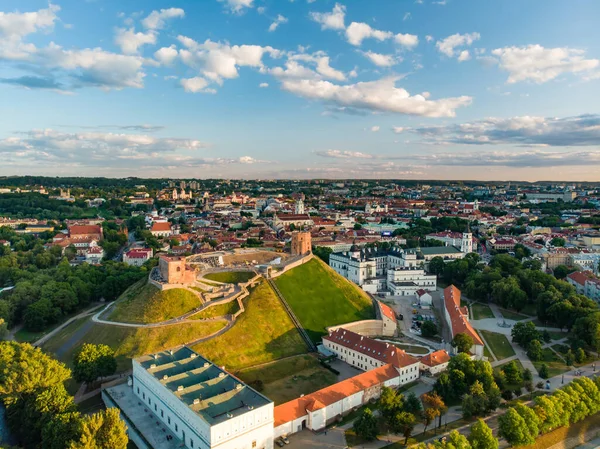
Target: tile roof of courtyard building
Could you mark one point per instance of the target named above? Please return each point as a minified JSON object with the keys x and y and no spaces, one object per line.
{"x":387,"y":311}
{"x":384,"y":352}
{"x":84,"y":230}
{"x":330,"y":395}
{"x":211,"y":392}
{"x":436,"y":358}
{"x":458,"y":315}
{"x":161,"y":226}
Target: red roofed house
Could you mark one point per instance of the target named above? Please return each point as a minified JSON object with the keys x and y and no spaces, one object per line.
{"x":424,"y":298}
{"x":436,"y":362}
{"x":314,"y":411}
{"x":161,"y":229}
{"x":578,"y":278}
{"x":137,"y":257}
{"x":365,"y":353}
{"x":457,"y":319}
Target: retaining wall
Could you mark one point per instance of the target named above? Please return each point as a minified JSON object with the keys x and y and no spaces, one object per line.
{"x":296,"y":263}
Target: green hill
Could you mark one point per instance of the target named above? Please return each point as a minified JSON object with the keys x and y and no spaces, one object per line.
{"x":145,"y":303}
{"x":321,"y":298}
{"x":264,"y":332}
{"x":230,"y":277}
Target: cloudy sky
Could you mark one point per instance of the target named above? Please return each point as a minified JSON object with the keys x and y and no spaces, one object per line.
{"x":446,"y":89}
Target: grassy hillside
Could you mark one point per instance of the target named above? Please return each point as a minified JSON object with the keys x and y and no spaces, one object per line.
{"x":320,"y":297}
{"x":145,"y":303}
{"x":128,"y":342}
{"x":230,"y":277}
{"x":215,"y":311}
{"x":264,"y":332}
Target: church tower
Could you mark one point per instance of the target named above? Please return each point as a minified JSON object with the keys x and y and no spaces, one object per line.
{"x":466,"y":245}
{"x":299,"y":207}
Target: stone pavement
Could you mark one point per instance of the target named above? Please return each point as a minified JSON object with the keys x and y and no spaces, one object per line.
{"x":334,"y":437}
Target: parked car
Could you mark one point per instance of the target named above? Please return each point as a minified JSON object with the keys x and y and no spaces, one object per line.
{"x":285,"y":440}
{"x":279,"y":442}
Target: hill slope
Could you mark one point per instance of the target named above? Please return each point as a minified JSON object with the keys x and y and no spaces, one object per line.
{"x":264,"y":332}
{"x":320,"y":297}
{"x":145,"y":303}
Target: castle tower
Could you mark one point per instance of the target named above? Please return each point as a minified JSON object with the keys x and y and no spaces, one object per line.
{"x":301,"y":243}
{"x":299,"y":207}
{"x":466,"y":244}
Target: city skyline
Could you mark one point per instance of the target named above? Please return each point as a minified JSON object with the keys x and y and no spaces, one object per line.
{"x":300,"y":89}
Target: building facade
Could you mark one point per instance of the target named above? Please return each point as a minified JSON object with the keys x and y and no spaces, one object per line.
{"x":457,"y":319}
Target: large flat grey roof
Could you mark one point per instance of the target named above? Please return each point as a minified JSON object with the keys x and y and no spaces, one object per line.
{"x":207,"y":389}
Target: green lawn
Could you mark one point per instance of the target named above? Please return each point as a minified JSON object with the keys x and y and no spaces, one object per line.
{"x":263,"y":333}
{"x":130,"y":342}
{"x":510,"y":315}
{"x":530,"y":310}
{"x":230,"y":277}
{"x":499,"y":344}
{"x":555,"y":365}
{"x":481,"y":311}
{"x":287,"y":379}
{"x":145,"y":303}
{"x":321,"y":298}
{"x":517,"y":361}
{"x":219,"y":310}
{"x":412,"y":349}
{"x":558,"y":335}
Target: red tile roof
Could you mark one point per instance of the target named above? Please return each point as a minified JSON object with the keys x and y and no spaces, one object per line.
{"x":161,"y":226}
{"x":460,"y":324}
{"x":330,"y":395}
{"x":384,"y":352}
{"x":84,"y":230}
{"x":387,"y":311}
{"x":436,"y":358}
{"x":580,"y":277}
{"x":141,"y":253}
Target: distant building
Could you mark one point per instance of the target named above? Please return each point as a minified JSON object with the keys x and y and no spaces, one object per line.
{"x":301,"y":243}
{"x":299,"y":209}
{"x":137,"y":256}
{"x":534,"y":197}
{"x":284,"y":221}
{"x":424,"y":298}
{"x":161,"y":229}
{"x":463,"y":240}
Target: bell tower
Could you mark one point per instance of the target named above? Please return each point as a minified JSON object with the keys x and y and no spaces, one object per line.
{"x":466,"y":244}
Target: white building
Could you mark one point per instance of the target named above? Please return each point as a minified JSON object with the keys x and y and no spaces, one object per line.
{"x":424,"y":298}
{"x":299,"y":207}
{"x":435,"y":362}
{"x":200,"y":404}
{"x":457,"y":319}
{"x":396,"y":271}
{"x":137,"y":256}
{"x":463,"y":240}
{"x":371,"y":208}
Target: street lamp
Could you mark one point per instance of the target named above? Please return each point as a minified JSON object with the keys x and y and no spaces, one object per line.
{"x":563,"y":379}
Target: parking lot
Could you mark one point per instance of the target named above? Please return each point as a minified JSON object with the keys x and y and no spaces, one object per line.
{"x":307,"y":439}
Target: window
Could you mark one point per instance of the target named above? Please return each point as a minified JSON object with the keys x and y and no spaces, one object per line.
{"x":144,"y":396}
{"x":169,"y":419}
{"x":138,"y":390}
{"x":254,"y":444}
{"x":176,"y":428}
{"x":162,"y":413}
{"x":191,"y":442}
{"x":155,"y":407}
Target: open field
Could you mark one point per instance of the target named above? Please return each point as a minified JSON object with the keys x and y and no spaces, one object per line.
{"x":130,"y":342}
{"x":481,"y":311}
{"x":287,"y":379}
{"x":215,"y":311}
{"x":320,"y":298}
{"x":412,"y":349}
{"x":263,"y":333}
{"x":145,"y":303}
{"x":499,"y":344}
{"x":555,"y":365}
{"x":230,"y":277}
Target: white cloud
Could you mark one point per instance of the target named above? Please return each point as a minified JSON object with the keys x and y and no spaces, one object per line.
{"x":237,"y":6}
{"x":247,"y":160}
{"x":406,"y":16}
{"x":381,"y":95}
{"x":429,"y":38}
{"x":18,"y":25}
{"x":538,"y":64}
{"x":448,"y":45}
{"x":217,"y":60}
{"x":375,"y":128}
{"x":194,"y":85}
{"x":409,"y":41}
{"x":156,"y":19}
{"x":358,"y":31}
{"x":464,"y":56}
{"x":398,"y":129}
{"x":381,"y":60}
{"x":320,"y":61}
{"x":339,"y":154}
{"x":129,"y":41}
{"x":333,"y":20}
{"x":278,"y":21}
{"x":166,"y":55}
{"x":263,"y":85}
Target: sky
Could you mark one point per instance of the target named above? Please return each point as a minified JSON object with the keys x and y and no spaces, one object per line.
{"x":399,"y":89}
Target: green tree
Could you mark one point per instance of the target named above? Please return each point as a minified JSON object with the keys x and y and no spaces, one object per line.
{"x":557,"y":241}
{"x":534,"y":350}
{"x":513,"y":428}
{"x":365,"y":425}
{"x":513,"y":373}
{"x":61,"y":430}
{"x":543,"y":372}
{"x":94,"y":361}
{"x":390,"y":403}
{"x":481,"y":436}
{"x":104,"y":430}
{"x":462,"y":342}
{"x":429,"y":329}
{"x":437,"y":265}
{"x":524,"y":332}
{"x":404,"y":423}
{"x":429,"y":416}
{"x":580,"y":355}
{"x":412,"y":404}
{"x":3,"y":329}
{"x":569,"y":358}
{"x":561,"y":271}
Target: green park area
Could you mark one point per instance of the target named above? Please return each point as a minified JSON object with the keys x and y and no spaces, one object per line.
{"x":321,"y":298}
{"x":510,"y":315}
{"x":263,"y":333}
{"x":554,"y":363}
{"x":289,"y":378}
{"x":498,"y":344}
{"x":481,"y":311}
{"x":145,"y":303}
{"x":127,"y":342}
{"x":230,"y":277}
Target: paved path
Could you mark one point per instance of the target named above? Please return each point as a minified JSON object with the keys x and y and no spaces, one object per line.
{"x":74,"y":339}
{"x":13,"y":331}
{"x":46,"y":337}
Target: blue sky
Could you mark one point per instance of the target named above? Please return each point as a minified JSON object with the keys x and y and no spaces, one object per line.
{"x":454,"y":89}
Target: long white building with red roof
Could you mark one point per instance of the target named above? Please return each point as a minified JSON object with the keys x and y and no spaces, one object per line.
{"x":457,"y":319}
